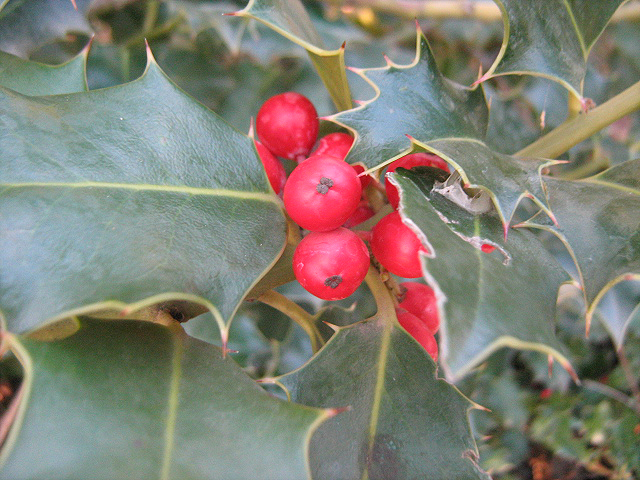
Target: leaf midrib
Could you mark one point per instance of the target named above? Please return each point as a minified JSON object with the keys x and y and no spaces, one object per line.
{"x":583,"y":47}
{"x":219,"y":192}
{"x":613,"y":185}
{"x":378,"y":390}
{"x":172,"y":413}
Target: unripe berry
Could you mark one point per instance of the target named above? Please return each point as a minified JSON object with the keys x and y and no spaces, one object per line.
{"x":275,"y":170}
{"x":420,"y":159}
{"x":396,"y":246}
{"x":331,"y":265}
{"x":322,"y":193}
{"x":418,"y":330}
{"x":420,"y":300}
{"x":287,"y":124}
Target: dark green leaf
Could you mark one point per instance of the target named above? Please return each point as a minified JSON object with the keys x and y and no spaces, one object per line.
{"x":402,"y":422}
{"x":486,"y":300}
{"x":413,"y":100}
{"x":26,"y":25}
{"x":619,"y":310}
{"x":440,"y":116}
{"x":124,"y":194}
{"x":551,"y":38}
{"x":125,"y":399}
{"x":506,"y":178}
{"x":599,"y":223}
{"x":30,"y":78}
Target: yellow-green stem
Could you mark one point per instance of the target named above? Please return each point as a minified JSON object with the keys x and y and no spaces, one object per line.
{"x":574,"y":105}
{"x":296,"y":313}
{"x":381,"y":294}
{"x":484,"y":11}
{"x":574,"y":131}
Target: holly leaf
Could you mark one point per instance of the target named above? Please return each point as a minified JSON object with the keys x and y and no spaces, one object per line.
{"x":31,"y":78}
{"x":619,"y":310}
{"x":133,"y":194}
{"x":486,"y":301}
{"x":411,"y":100}
{"x":599,"y":224}
{"x":290,"y":19}
{"x":401,"y":421}
{"x":551,"y":39}
{"x":506,"y":179}
{"x":27,"y":25}
{"x":156,"y":403}
{"x":444,"y":118}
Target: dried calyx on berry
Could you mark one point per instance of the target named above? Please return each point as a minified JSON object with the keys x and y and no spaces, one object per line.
{"x":322,"y":193}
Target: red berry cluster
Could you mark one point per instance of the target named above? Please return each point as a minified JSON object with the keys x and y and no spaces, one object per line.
{"x":324,"y":195}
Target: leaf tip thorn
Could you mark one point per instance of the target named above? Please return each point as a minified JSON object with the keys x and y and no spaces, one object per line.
{"x":332,"y":412}
{"x":481,"y":79}
{"x":332,"y":326}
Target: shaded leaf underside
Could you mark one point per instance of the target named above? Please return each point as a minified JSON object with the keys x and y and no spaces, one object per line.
{"x":26,"y":26}
{"x":126,"y":399}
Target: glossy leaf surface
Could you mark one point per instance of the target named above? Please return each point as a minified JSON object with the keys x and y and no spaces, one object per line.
{"x":551,"y":38}
{"x":30,"y":78}
{"x":127,"y":399}
{"x":486,"y":300}
{"x":444,"y":118}
{"x":599,"y":222}
{"x":413,"y":100}
{"x":402,"y":422}
{"x":124,"y":194}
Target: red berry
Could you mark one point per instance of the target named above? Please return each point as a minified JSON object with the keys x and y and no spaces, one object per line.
{"x":331,"y":265}
{"x":396,"y":246}
{"x":287,"y":124}
{"x":420,"y":300}
{"x":338,"y":145}
{"x":335,"y":145}
{"x":545,"y":393}
{"x":275,"y":171}
{"x":361,"y":213}
{"x":420,"y":159}
{"x":322,"y":193}
{"x":418,"y":330}
{"x":486,"y":248}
